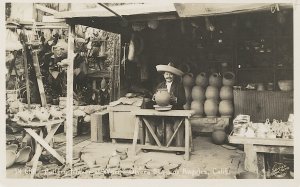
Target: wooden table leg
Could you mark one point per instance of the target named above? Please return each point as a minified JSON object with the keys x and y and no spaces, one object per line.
{"x":187,"y":139}
{"x":135,"y":134}
{"x":250,"y":158}
{"x":261,"y":169}
{"x":191,"y":139}
{"x":36,"y":157}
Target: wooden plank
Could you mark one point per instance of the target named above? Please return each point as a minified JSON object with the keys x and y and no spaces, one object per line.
{"x":261,"y":141}
{"x":176,"y":130}
{"x":35,"y":159}
{"x":174,"y":113}
{"x":261,"y":169}
{"x":99,"y":122}
{"x":187,"y":139}
{"x":26,"y":71}
{"x":41,"y":141}
{"x":152,"y":132}
{"x":250,"y":158}
{"x":153,"y":147}
{"x":69,"y":115}
{"x":36,"y":65}
{"x":45,"y":9}
{"x":274,"y":149}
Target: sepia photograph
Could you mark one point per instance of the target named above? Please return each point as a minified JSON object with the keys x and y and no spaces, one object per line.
{"x":149,"y":90}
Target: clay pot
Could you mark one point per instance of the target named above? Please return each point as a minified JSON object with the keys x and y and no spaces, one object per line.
{"x":198,"y":93}
{"x":226,"y":108}
{"x":187,"y":106}
{"x":197,"y":106}
{"x":162,"y":97}
{"x":212,"y":92}
{"x":188,"y":80}
{"x":188,"y":94}
{"x":10,"y":158}
{"x":226,"y":93}
{"x":202,"y":80}
{"x":218,"y":135}
{"x":211,"y":108}
{"x":215,"y":79}
{"x":228,"y":79}
{"x":260,"y":87}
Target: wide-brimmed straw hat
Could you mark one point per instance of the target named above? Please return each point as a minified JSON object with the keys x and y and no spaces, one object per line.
{"x":169,"y":68}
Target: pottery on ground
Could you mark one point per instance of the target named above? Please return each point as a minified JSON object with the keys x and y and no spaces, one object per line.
{"x":211,"y":108}
{"x":226,"y":108}
{"x":228,"y":79}
{"x":198,"y":107}
{"x":215,"y":79}
{"x":226,"y":93}
{"x":218,"y":135}
{"x":162,"y":97}
{"x":202,"y":80}
{"x":212,"y":92}
{"x":198,"y":93}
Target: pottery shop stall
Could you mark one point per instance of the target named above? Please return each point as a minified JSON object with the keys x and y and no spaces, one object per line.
{"x":36,"y":89}
{"x":222,"y":51}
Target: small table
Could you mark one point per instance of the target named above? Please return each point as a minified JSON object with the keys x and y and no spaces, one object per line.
{"x":138,"y":122}
{"x":255,"y":148}
{"x":29,"y":128}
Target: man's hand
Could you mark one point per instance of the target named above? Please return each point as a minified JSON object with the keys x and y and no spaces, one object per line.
{"x":173,"y":99}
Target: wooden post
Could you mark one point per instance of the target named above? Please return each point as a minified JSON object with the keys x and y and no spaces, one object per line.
{"x":250,"y":158}
{"x":26,"y":72}
{"x":69,"y":115}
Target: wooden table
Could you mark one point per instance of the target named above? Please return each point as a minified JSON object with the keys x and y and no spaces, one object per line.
{"x":139,"y":118}
{"x":255,"y":148}
{"x":53,"y":125}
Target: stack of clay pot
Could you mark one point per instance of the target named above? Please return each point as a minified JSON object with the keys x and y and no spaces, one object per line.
{"x":188,"y":82}
{"x":198,"y":94}
{"x":226,"y":95}
{"x":212,"y":95}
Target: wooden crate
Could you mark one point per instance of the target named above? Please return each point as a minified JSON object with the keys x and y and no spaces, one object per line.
{"x":203,"y":124}
{"x":261,"y":105}
{"x":100,"y":126}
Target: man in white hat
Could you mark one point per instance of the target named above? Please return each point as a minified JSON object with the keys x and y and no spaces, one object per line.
{"x":178,"y":99}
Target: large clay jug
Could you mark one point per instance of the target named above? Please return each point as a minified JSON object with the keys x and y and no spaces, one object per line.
{"x":198,"y":107}
{"x":228,"y":79}
{"x":198,"y":93}
{"x":188,"y":80}
{"x":226,"y":108}
{"x":215,"y":79}
{"x":187,"y":106}
{"x":202,"y":80}
{"x":226,"y":93}
{"x":211,"y":108}
{"x":218,"y":135}
{"x":188,"y":94}
{"x":162,"y":97}
{"x":212,"y":92}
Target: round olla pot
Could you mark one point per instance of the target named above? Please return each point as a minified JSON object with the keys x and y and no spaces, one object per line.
{"x":162,"y":97}
{"x":198,"y":93}
{"x":215,"y":79}
{"x":188,"y":80}
{"x":211,"y":107}
{"x":197,"y":106}
{"x":202,"y":80}
{"x":212,"y":92}
{"x":226,"y":93}
{"x":218,"y":135}
{"x":228,"y":79}
{"x":226,"y":108}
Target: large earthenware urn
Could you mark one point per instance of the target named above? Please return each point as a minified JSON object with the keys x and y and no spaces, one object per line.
{"x":228,"y":79}
{"x":211,"y":108}
{"x":215,"y":79}
{"x":202,"y":80}
{"x":212,"y":92}
{"x":162,"y":97}
{"x":198,"y":93}
{"x":198,"y":107}
{"x":218,"y":135}
{"x":226,"y":93}
{"x":188,"y":80}
{"x":226,"y":108}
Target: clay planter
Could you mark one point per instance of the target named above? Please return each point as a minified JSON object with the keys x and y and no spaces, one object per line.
{"x":212,"y":92}
{"x":215,"y":79}
{"x":162,"y":97}
{"x":198,"y":93}
{"x":226,"y":108}
{"x":188,"y":94}
{"x":188,"y":80}
{"x":211,"y":108}
{"x":218,"y":135}
{"x":202,"y":80}
{"x":198,"y":107}
{"x":226,"y":93}
{"x":228,"y":79}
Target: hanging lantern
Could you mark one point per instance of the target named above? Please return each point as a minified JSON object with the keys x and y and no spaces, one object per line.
{"x":153,"y":24}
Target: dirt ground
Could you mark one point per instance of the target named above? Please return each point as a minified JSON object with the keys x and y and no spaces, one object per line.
{"x":207,"y":160}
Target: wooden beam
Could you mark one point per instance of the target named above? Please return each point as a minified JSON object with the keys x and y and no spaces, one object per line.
{"x":45,"y":9}
{"x":69,"y":116}
{"x":26,"y":71}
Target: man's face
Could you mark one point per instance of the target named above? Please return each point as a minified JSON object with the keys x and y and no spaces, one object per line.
{"x":168,"y":76}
